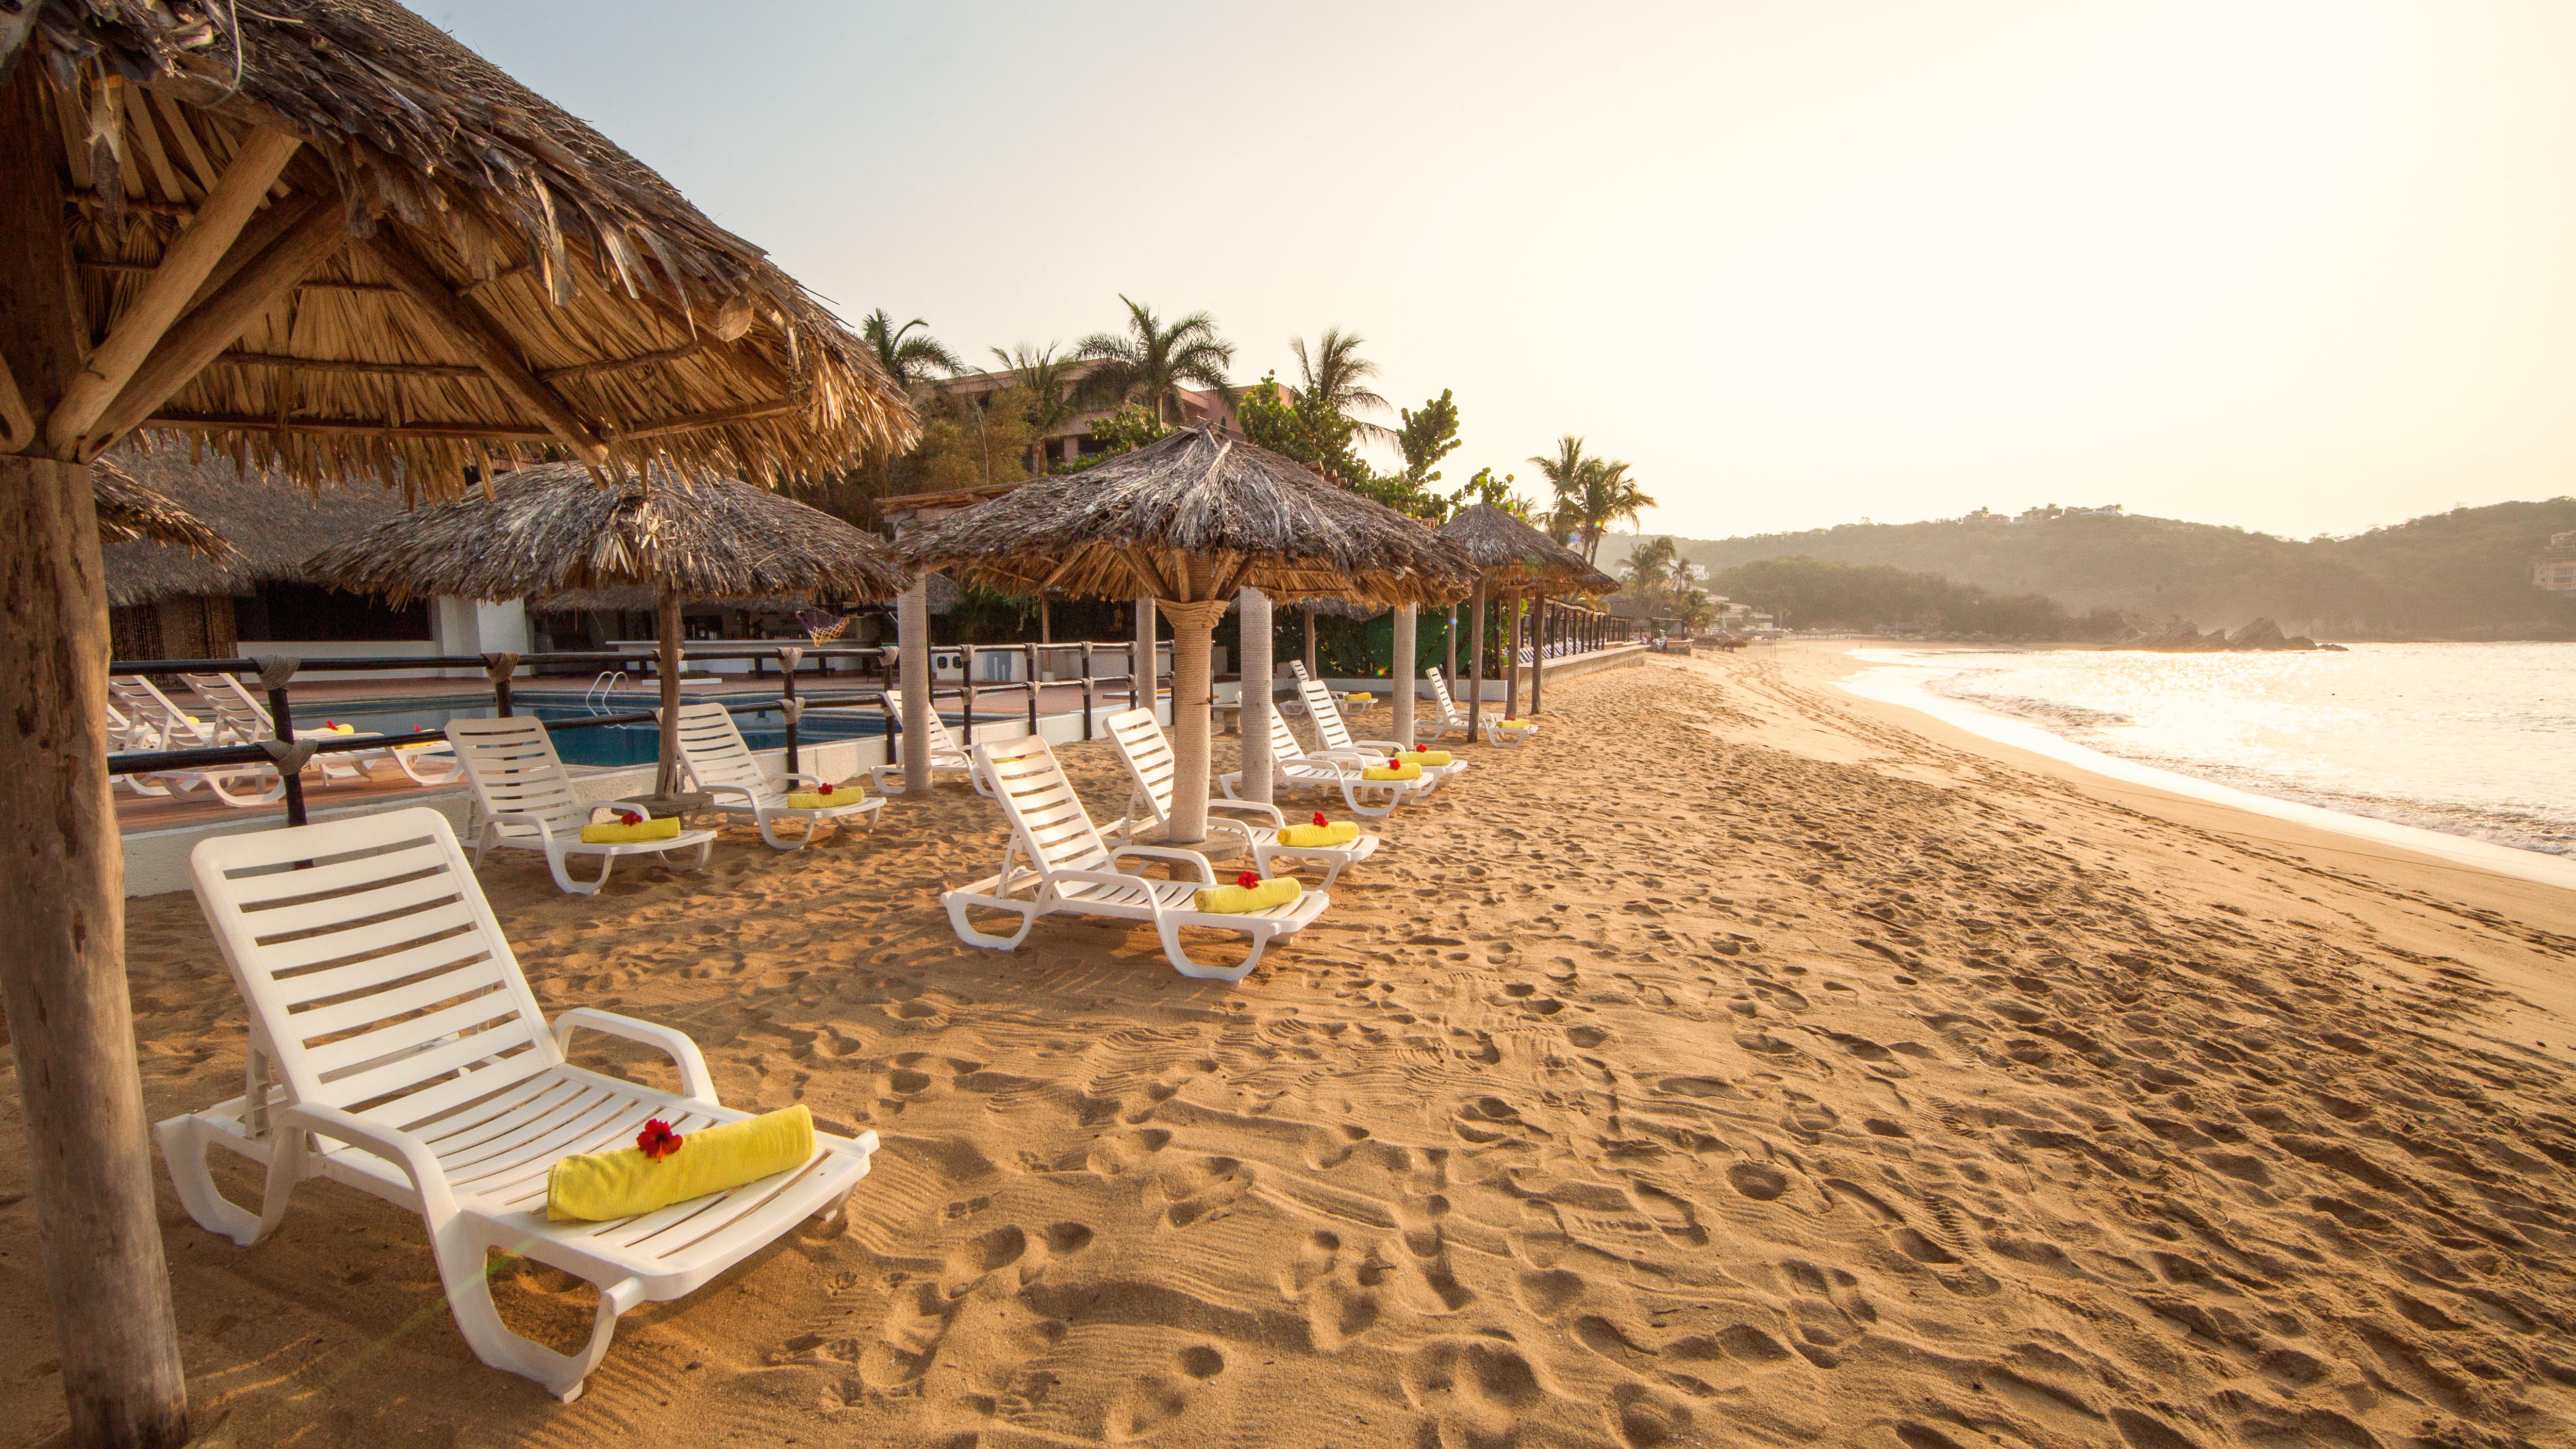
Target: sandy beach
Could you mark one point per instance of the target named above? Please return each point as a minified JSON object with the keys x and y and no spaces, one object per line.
{"x":1739,"y":1063}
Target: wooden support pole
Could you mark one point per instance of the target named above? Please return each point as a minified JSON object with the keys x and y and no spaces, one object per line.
{"x":473,"y":330}
{"x":666,"y":776}
{"x":1476,"y":661}
{"x":1538,"y":649}
{"x":191,"y":257}
{"x":62,"y":978}
{"x":912,"y":659}
{"x":1400,"y":673}
{"x":1258,"y":668}
{"x":219,"y":321}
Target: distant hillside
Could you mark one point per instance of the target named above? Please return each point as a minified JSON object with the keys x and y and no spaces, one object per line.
{"x":2465,"y":574}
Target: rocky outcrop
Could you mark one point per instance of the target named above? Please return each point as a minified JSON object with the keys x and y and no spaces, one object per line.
{"x":2182,"y":636}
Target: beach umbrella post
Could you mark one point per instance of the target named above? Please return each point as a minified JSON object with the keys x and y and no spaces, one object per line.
{"x":1513,"y":560}
{"x":1253,"y":719}
{"x":1476,"y":662}
{"x":1400,"y":673}
{"x":912,"y":665}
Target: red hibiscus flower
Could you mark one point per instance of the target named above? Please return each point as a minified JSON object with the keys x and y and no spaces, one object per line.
{"x":1247,"y":880}
{"x":629,"y":817}
{"x":822,"y":789}
{"x":657,"y":1140}
{"x":1319,"y":818}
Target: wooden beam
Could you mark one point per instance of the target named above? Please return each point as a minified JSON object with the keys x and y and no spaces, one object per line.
{"x":17,"y":425}
{"x":473,"y":330}
{"x":192,"y":255}
{"x":263,"y":231}
{"x":347,"y":427}
{"x":720,"y":417}
{"x":333,"y":364}
{"x":623,"y":364}
{"x":62,"y":978}
{"x":219,"y":321}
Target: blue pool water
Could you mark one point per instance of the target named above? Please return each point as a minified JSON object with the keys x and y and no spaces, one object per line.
{"x":611,"y":745}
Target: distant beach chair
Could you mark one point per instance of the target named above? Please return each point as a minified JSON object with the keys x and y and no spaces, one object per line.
{"x":153,"y":721}
{"x":524,"y":798}
{"x":947,"y":757}
{"x":1292,"y":768}
{"x":395,"y":1048}
{"x":1333,"y":738}
{"x":1151,"y":765}
{"x":1070,"y":870}
{"x":1444,"y":718}
{"x":241,"y":719}
{"x":721,"y":764}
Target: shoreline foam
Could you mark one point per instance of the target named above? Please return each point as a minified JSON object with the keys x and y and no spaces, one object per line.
{"x":1900,"y":681}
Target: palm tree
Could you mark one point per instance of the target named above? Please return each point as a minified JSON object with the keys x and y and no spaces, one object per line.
{"x":1149,"y":362}
{"x":1337,"y":377}
{"x":1595,"y":494}
{"x":913,"y":362}
{"x":1655,"y":563}
{"x":1048,"y":382}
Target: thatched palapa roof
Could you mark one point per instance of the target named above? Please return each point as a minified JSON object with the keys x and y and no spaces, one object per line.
{"x":550,"y":529}
{"x":1251,"y":518}
{"x":1512,"y":557}
{"x":448,"y":262}
{"x":129,"y":509}
{"x":272,"y":525}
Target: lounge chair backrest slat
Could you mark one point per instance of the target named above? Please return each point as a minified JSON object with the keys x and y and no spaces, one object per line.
{"x":941,"y":741}
{"x":1283,"y":740}
{"x":1046,"y":815}
{"x":513,"y":767}
{"x":1440,"y":692}
{"x":236,"y":711}
{"x":1332,"y":733}
{"x":371,"y":963}
{"x":1149,"y":758}
{"x":147,"y":706}
{"x":716,"y":753}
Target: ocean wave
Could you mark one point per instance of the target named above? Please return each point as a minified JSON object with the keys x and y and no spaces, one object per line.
{"x":2046,"y":711}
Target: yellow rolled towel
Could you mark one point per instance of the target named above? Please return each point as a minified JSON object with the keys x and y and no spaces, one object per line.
{"x":1408,"y":771}
{"x":1428,"y":759}
{"x":1341,"y":832}
{"x":1235,"y":900}
{"x":597,"y":1186}
{"x":817,"y":800}
{"x":617,"y":833}
{"x":1516,"y":724}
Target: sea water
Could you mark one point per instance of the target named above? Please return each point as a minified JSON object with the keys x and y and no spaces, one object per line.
{"x":2470,"y":739}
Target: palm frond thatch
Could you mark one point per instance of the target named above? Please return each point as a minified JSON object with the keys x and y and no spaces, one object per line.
{"x":273,"y":526}
{"x":1512,"y":557}
{"x":659,"y":335}
{"x":129,"y":509}
{"x":1244,"y":517}
{"x":551,"y":529}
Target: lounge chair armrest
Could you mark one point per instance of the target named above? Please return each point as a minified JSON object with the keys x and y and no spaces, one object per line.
{"x":437,"y":1202}
{"x":801,"y":779}
{"x":1390,"y":746}
{"x":1172,"y":853}
{"x":545,"y":831}
{"x":749,"y":796}
{"x":694,"y":1078}
{"x":1328,"y":762}
{"x":1247,"y":807}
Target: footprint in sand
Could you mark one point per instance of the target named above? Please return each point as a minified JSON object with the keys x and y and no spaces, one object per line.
{"x":1757,"y":1180}
{"x":1471,"y":1392}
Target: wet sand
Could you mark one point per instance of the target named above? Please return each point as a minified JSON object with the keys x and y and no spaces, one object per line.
{"x":1739,"y":1063}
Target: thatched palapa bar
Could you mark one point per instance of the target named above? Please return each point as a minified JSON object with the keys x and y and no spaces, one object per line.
{"x":317,"y":236}
{"x":1513,"y":559}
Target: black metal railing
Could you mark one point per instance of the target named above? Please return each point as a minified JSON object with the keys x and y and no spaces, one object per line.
{"x":282,"y":751}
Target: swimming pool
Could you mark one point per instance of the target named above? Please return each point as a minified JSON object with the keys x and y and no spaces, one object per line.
{"x":605,"y":745}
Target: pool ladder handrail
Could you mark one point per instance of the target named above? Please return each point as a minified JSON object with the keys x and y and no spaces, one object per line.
{"x":601,"y":697}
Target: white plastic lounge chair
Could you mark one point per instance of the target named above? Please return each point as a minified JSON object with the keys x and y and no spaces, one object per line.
{"x":241,"y":717}
{"x":946,"y":756}
{"x":525,"y":800}
{"x":1444,"y":718}
{"x":1292,"y":767}
{"x":721,"y":764}
{"x":395,"y":1048}
{"x":1333,"y":739}
{"x":1151,"y":765}
{"x":155,"y":722}
{"x":1070,"y":870}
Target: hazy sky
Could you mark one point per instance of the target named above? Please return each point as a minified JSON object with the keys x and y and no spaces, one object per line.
{"x":2301,"y":267}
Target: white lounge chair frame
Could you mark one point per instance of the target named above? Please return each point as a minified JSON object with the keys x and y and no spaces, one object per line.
{"x":1070,"y":870}
{"x":1292,"y":767}
{"x":155,"y":722}
{"x":1450,"y":720}
{"x":524,"y":799}
{"x":720,"y":763}
{"x":395,"y":1048}
{"x":1333,"y":738}
{"x":241,"y":718}
{"x":1151,"y":765}
{"x":947,"y":757}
